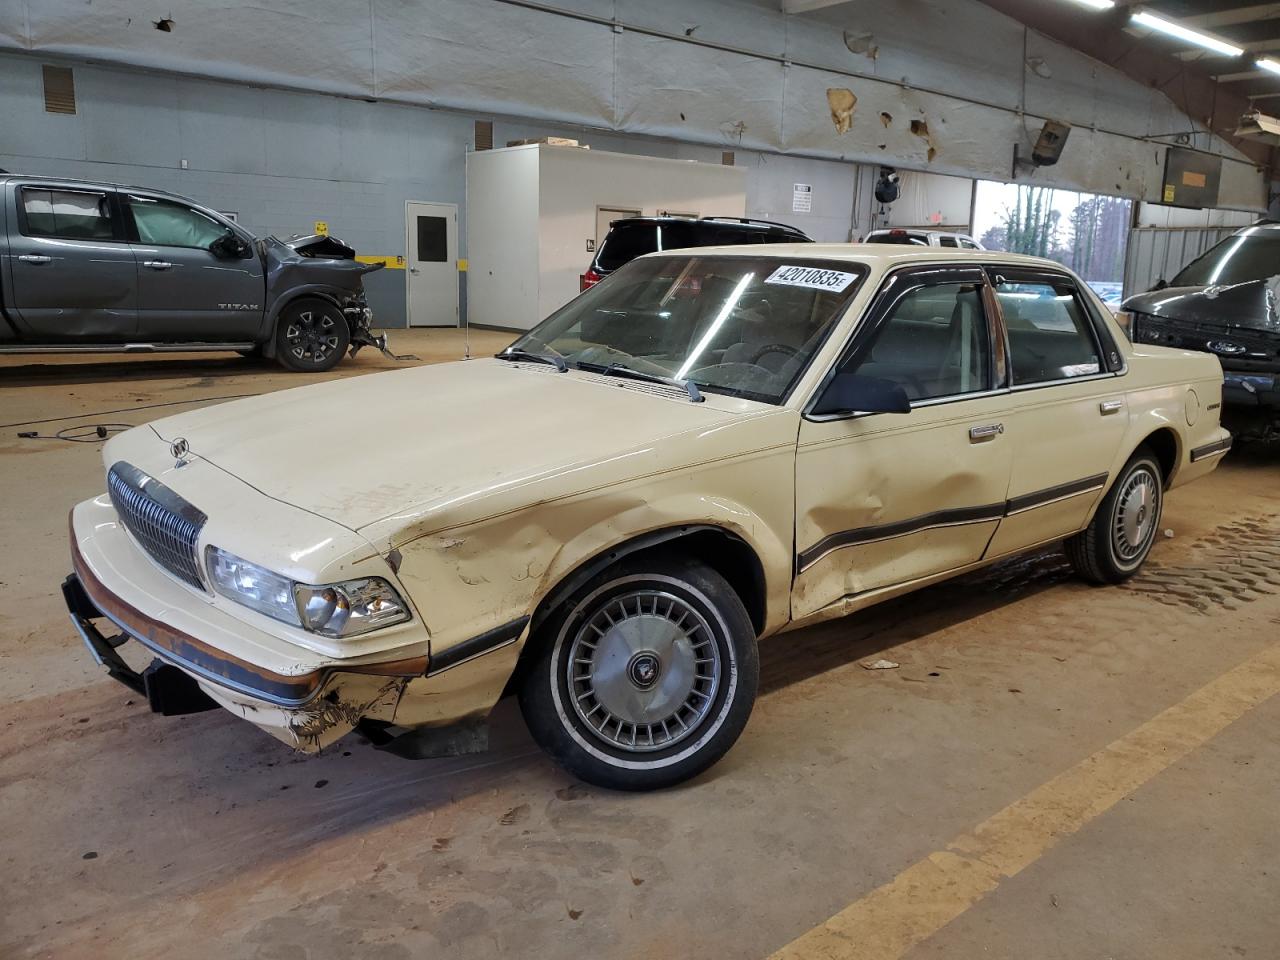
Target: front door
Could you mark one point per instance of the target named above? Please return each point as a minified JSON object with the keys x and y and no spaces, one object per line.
{"x":73,"y":274}
{"x":431,"y":244}
{"x":890,"y":498}
{"x":1072,"y":414}
{"x":185,"y":292}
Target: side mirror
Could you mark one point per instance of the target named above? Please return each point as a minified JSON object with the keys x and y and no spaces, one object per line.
{"x":851,"y":393}
{"x":1160,"y":284}
{"x":229,"y":246}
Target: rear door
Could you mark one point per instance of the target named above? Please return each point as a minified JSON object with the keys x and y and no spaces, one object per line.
{"x":73,"y":273}
{"x":1071,"y":414}
{"x":185,"y":292}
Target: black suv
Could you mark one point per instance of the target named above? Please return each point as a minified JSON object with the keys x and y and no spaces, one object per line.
{"x":636,"y":236}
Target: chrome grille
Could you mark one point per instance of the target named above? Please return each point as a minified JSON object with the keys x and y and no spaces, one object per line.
{"x":162,"y":523}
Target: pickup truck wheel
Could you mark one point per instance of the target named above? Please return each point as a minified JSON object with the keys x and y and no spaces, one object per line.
{"x":1119,"y":537}
{"x":311,"y":336}
{"x":645,"y":677}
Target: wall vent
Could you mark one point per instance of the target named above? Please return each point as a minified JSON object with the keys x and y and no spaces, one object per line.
{"x":59,"y":90}
{"x":726,"y":158}
{"x":484,"y":134}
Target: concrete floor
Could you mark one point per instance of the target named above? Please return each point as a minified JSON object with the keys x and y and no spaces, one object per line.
{"x":1055,"y":771}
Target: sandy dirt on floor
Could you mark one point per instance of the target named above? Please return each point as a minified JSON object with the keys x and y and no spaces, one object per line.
{"x":132,"y":835}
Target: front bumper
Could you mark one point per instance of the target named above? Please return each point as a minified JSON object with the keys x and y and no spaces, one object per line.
{"x":306,"y":701}
{"x":300,"y":696}
{"x":1251,"y":390}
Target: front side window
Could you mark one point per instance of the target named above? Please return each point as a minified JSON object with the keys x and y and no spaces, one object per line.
{"x":947,"y":242}
{"x":742,"y":326}
{"x":934,"y":343}
{"x":1050,"y":337}
{"x":66,"y":214}
{"x":161,"y":223}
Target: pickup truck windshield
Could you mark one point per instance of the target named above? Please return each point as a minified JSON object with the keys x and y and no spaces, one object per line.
{"x":1253,"y":255}
{"x":742,"y":326}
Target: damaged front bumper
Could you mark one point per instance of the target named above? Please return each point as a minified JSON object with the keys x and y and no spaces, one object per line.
{"x":116,"y":595}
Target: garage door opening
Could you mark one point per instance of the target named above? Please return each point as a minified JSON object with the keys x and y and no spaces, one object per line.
{"x":1084,"y":231}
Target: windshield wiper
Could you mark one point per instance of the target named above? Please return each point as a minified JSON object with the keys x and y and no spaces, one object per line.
{"x":552,"y":356}
{"x":622,"y":370}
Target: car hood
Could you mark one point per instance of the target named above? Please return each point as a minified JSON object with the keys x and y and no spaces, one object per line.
{"x":1250,"y":305}
{"x":457,"y":441}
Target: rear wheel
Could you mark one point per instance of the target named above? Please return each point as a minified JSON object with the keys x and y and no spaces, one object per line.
{"x":1119,"y":537}
{"x":311,"y":336}
{"x":645,"y":677}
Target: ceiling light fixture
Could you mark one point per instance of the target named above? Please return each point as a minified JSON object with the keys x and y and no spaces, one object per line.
{"x":1097,"y":4}
{"x":1266,"y":63}
{"x":1168,"y":27}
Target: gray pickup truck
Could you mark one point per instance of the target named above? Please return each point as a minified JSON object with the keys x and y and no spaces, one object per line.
{"x":97,"y":267}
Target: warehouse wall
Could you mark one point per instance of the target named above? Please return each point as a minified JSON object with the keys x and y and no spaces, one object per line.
{"x":947,"y":86}
{"x":282,"y":160}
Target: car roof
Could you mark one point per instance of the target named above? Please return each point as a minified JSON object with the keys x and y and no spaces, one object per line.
{"x":101,"y":184}
{"x":735,"y":222}
{"x":872,"y":254}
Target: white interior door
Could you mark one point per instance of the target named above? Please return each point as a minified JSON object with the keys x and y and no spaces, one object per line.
{"x":431,"y":261}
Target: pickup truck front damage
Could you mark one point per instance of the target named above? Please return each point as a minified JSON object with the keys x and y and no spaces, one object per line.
{"x":325,"y":267}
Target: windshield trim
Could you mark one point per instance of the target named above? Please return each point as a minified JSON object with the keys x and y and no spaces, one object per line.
{"x":860,"y":268}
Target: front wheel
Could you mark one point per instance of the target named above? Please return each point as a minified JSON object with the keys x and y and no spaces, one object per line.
{"x":645,"y":677}
{"x":1119,"y":537}
{"x":311,"y":336}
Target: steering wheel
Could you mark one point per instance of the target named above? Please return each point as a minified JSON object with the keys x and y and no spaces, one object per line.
{"x":786,"y":348}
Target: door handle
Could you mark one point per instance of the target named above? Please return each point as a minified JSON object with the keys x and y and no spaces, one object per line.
{"x":1108,"y":407}
{"x":413,"y":269}
{"x":985,"y":432}
{"x":35,"y":258}
{"x":157,"y":264}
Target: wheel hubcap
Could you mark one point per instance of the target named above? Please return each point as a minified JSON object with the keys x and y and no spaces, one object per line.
{"x":312,"y":336}
{"x":643,"y":670}
{"x":1137,"y":510}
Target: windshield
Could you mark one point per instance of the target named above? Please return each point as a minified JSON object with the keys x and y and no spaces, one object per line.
{"x":743,"y":326}
{"x":1253,"y":255}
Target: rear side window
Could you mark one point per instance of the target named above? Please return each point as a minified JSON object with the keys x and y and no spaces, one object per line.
{"x":625,"y":243}
{"x":66,"y":214}
{"x":1050,"y":337}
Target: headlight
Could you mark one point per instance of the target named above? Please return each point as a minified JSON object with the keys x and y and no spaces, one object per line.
{"x":351,"y":607}
{"x":332,"y":610}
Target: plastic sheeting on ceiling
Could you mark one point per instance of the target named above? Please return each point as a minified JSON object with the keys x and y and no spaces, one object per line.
{"x":940,"y":90}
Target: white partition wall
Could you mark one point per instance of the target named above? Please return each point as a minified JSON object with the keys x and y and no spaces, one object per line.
{"x":532,"y":214}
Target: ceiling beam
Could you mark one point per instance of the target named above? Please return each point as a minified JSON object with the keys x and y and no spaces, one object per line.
{"x":1236,"y":15}
{"x":1252,"y":46}
{"x":808,"y":6}
{"x":1243,"y":75}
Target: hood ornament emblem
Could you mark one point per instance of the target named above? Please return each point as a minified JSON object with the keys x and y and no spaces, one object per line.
{"x":1226,"y":347}
{"x":180,"y":450}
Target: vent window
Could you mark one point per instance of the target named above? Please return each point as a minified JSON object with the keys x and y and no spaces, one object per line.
{"x":59,"y":90}
{"x":484,"y":135}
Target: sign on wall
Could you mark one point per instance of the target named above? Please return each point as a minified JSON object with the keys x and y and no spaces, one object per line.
{"x":801,"y":198}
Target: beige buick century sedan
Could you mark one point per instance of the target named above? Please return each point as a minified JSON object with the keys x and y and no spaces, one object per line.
{"x":707,"y":448}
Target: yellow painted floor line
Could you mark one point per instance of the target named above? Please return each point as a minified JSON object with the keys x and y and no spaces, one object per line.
{"x":928,"y":895}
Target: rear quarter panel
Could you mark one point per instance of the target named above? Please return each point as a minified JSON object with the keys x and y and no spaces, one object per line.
{"x":1179,"y":391}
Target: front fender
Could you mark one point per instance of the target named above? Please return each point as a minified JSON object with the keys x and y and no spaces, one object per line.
{"x":478,"y":577}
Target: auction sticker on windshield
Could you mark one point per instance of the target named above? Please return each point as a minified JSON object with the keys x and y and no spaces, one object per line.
{"x":813,"y":278}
